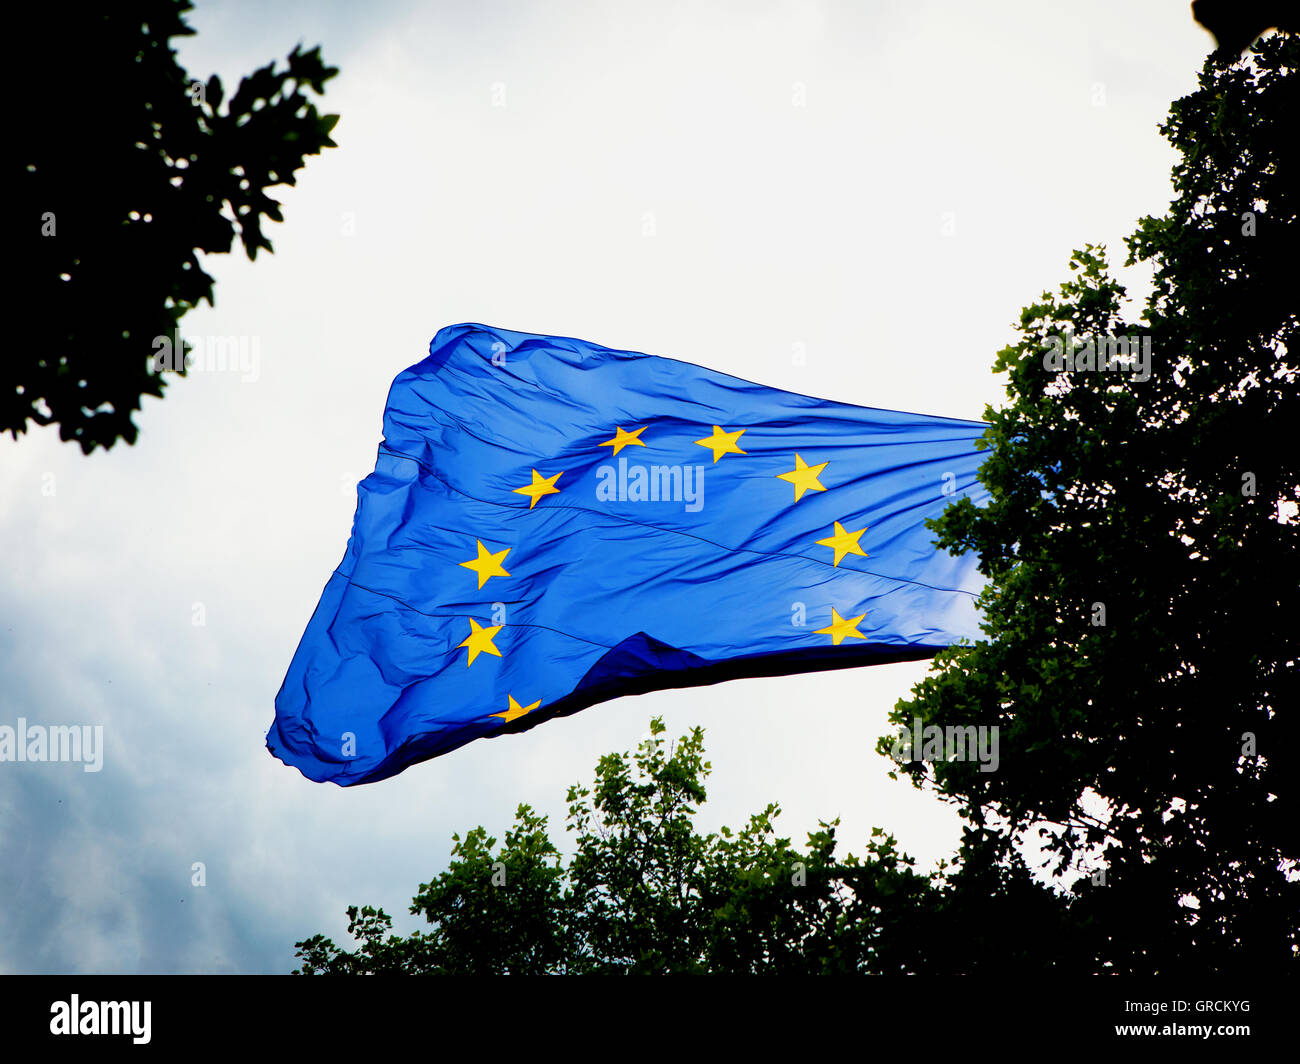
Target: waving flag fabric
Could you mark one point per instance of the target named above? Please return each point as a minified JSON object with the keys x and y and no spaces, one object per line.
{"x":552,"y":524}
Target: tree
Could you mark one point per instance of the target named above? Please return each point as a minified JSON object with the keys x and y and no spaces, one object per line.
{"x":493,"y":913}
{"x":1141,"y":547}
{"x":645,"y":892}
{"x":126,"y":168}
{"x":1236,"y":23}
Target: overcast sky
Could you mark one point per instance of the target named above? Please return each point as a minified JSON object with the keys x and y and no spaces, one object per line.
{"x":849,"y":200}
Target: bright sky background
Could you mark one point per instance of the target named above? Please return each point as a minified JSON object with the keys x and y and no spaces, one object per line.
{"x":880,"y":186}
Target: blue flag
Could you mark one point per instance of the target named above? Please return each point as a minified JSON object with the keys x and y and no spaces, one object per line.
{"x":552,"y":524}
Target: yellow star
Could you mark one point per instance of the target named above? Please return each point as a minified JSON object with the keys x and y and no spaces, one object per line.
{"x":539,"y":487}
{"x":479,"y":641}
{"x":516,"y":710}
{"x":624,"y":439}
{"x":843,"y":543}
{"x":722,"y":442}
{"x":841,"y":628}
{"x":803,"y":477}
{"x":487,"y":565}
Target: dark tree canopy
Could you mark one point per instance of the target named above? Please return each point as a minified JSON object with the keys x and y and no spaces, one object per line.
{"x":1142,"y":547}
{"x":646,"y":892}
{"x":1236,"y":23}
{"x":125,"y":169}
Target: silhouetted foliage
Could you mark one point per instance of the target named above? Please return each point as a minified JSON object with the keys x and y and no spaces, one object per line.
{"x":1236,"y":23}
{"x":1142,"y":547}
{"x":126,"y":168}
{"x":645,"y":892}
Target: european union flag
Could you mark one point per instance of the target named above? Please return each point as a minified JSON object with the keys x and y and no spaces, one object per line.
{"x":552,"y":524}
